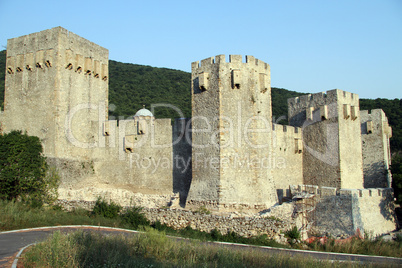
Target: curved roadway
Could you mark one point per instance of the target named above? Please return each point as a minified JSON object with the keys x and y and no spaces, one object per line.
{"x":12,"y":242}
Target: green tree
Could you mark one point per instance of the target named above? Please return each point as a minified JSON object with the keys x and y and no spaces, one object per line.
{"x":396,"y":169}
{"x":24,"y":172}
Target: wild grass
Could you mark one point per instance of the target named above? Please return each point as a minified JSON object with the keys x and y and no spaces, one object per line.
{"x":362,"y":246}
{"x":151,"y":249}
{"x":19,"y":215}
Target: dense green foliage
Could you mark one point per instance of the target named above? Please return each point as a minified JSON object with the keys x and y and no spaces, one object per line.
{"x":108,"y":210}
{"x":293,"y":234}
{"x":131,"y":86}
{"x":134,"y":217}
{"x":23,"y":168}
{"x":393,"y":110}
{"x":280,"y":98}
{"x":396,"y":169}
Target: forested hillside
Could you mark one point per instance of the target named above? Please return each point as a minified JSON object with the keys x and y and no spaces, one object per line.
{"x":131,"y":86}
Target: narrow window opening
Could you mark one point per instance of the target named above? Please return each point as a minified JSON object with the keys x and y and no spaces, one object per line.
{"x":38,"y":65}
{"x":104,"y":78}
{"x":48,"y":64}
{"x":28,"y":68}
{"x":96,"y":75}
{"x":69,"y":66}
{"x":237,"y":86}
{"x":10,"y":71}
{"x":79,"y":69}
{"x":88,"y":72}
{"x":369,"y":127}
{"x":19,"y":70}
{"x":129,"y":150}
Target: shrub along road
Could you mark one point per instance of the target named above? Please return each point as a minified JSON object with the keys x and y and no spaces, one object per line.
{"x":12,"y":241}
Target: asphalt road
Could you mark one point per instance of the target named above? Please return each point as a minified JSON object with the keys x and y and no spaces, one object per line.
{"x":11,"y":243}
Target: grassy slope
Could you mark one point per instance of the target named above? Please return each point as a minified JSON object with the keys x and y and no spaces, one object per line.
{"x":152,"y":249}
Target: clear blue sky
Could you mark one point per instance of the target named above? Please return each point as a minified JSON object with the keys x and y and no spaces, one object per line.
{"x":311,"y":45}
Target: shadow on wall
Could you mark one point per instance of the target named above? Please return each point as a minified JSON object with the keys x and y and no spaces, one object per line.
{"x":182,"y":166}
{"x":387,"y":209}
{"x":335,"y":214}
{"x":376,"y":176}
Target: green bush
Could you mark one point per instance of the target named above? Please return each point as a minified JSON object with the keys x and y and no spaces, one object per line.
{"x":203,"y":210}
{"x":108,"y":210}
{"x":24,"y":173}
{"x":293,"y":233}
{"x":134,"y":217}
{"x":396,"y":169}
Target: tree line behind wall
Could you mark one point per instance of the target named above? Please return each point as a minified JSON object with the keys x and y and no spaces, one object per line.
{"x":131,"y":86}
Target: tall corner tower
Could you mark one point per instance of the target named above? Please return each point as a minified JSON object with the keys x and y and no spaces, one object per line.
{"x":55,"y":83}
{"x":332,"y":139}
{"x":231,"y":134}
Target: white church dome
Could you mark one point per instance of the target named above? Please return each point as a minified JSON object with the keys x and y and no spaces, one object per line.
{"x":143,"y":112}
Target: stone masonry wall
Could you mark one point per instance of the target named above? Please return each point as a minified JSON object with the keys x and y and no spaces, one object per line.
{"x":182,"y":165}
{"x":376,"y":149}
{"x":232,"y":125}
{"x":287,"y":166}
{"x":57,"y":89}
{"x":46,"y":72}
{"x":136,"y":157}
{"x":331,"y":135}
{"x":350,"y":148}
{"x":273,"y":223}
{"x":342,"y":212}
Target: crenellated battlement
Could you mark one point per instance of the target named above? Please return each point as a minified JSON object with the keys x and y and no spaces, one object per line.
{"x":58,"y":49}
{"x":287,"y":129}
{"x":322,"y":98}
{"x":324,"y":105}
{"x":213,"y":72}
{"x":378,"y":113}
{"x":333,"y":191}
{"x":233,"y":59}
{"x":375,"y":121}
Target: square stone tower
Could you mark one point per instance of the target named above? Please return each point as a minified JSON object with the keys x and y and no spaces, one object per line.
{"x":56,"y":84}
{"x":330,"y":123}
{"x":231,"y":134}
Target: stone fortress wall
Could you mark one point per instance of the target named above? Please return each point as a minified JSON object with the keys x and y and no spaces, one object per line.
{"x":228,"y":157}
{"x":369,"y":210}
{"x":376,"y":149}
{"x":287,"y":159}
{"x":57,"y":89}
{"x":334,"y":159}
{"x":48,"y":71}
{"x":230,"y":101}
